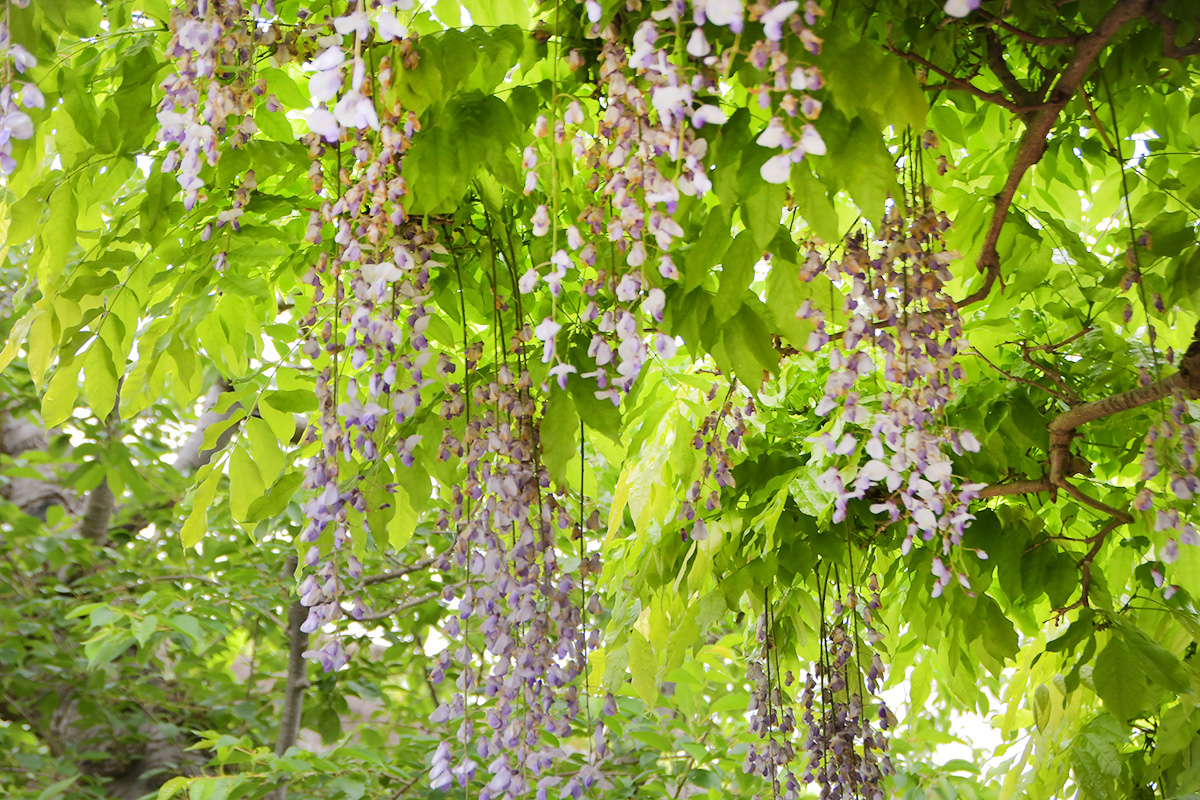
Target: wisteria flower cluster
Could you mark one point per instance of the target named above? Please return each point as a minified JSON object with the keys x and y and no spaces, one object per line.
{"x":209,"y":94}
{"x":1171,"y":452}
{"x":899,"y":349}
{"x":718,"y":436}
{"x":15,"y":123}
{"x":517,"y":620}
{"x":644,"y":153}
{"x":373,"y":289}
{"x":772,"y":719}
{"x":368,"y":318}
{"x":847,"y":743}
{"x":520,"y":608}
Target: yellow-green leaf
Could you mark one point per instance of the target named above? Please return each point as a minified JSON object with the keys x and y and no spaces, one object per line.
{"x":643,"y":667}
{"x":281,"y":421}
{"x":100,"y":379}
{"x":16,"y":337}
{"x":61,"y":394}
{"x":196,"y":525}
{"x":265,"y":447}
{"x":403,"y":522}
{"x":245,"y":483}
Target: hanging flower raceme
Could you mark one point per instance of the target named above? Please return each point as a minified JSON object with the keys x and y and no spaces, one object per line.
{"x":15,"y":123}
{"x":847,"y":722}
{"x":902,"y":333}
{"x":1171,"y":453}
{"x":367,"y":320}
{"x":644,"y":153}
{"x":211,"y":42}
{"x":718,"y":436}
{"x":772,"y":719}
{"x":519,"y":606}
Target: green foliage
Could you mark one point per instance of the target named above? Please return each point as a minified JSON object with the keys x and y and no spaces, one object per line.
{"x":167,"y":626}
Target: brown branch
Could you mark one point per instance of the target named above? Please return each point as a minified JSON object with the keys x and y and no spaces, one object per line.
{"x":1187,"y":381}
{"x":994,"y":52}
{"x":1032,"y":146}
{"x":954,"y":82}
{"x":1018,"y":379}
{"x":1032,"y":38}
{"x":1030,"y":348}
{"x":1068,"y":394}
{"x":412,"y":602}
{"x":97,"y":513}
{"x":384,"y":577}
{"x":192,"y":455}
{"x":1100,"y":129}
{"x":1063,"y":465}
{"x":1169,"y":29}
{"x":1016,"y":487}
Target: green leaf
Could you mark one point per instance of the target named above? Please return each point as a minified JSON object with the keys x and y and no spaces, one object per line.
{"x":286,"y":90}
{"x":196,"y":524}
{"x":16,"y":337}
{"x":58,"y":788}
{"x":282,"y":423}
{"x":403,"y":524}
{"x":737,"y":270}
{"x":58,"y":234}
{"x":559,"y":435}
{"x":1041,"y":707}
{"x":643,"y":666}
{"x":172,"y":787}
{"x":146,"y":628}
{"x":280,"y":495}
{"x":1096,"y":759}
{"x":709,"y":248}
{"x":274,"y":124}
{"x":747,"y":344}
{"x":245,"y":483}
{"x":1121,"y":683}
{"x":264,"y":447}
{"x":761,"y":212}
{"x":491,"y":13}
{"x":61,"y":393}
{"x":100,"y":379}
{"x":863,"y":167}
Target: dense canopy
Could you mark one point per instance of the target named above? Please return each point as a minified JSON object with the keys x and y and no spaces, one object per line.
{"x":614,"y":398}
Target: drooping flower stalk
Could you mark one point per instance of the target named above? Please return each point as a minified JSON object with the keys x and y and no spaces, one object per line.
{"x":15,"y":124}
{"x":1171,"y":451}
{"x":898,"y":353}
{"x":646,"y":153}
{"x":519,"y":605}
{"x":772,"y":719}
{"x":847,"y":743}
{"x":207,"y":98}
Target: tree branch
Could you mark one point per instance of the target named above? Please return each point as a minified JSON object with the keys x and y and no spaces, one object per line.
{"x":192,"y":455}
{"x":1032,"y":146}
{"x":994,"y":52}
{"x":1169,"y":28}
{"x":297,"y":677}
{"x":954,"y":82}
{"x":1070,"y":401}
{"x":1063,"y":465}
{"x":412,"y":602}
{"x":384,"y":577}
{"x":1040,"y":41}
{"x":97,"y":513}
{"x":1187,"y":381}
{"x":1016,"y":487}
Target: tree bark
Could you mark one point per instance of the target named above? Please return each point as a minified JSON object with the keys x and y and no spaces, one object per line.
{"x":297,"y":678}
